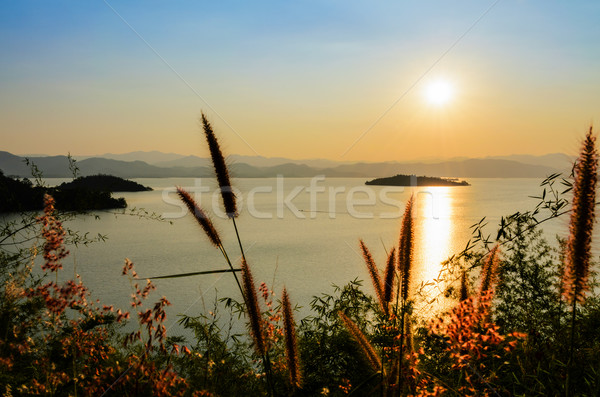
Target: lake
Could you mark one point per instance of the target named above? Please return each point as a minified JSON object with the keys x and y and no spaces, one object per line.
{"x":299,"y":232}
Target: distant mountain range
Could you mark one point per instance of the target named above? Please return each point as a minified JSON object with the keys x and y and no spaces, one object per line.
{"x":178,"y":160}
{"x":160,"y":159}
{"x":162,"y":165}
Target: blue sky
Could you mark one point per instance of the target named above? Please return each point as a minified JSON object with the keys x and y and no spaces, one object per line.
{"x":298,"y":79}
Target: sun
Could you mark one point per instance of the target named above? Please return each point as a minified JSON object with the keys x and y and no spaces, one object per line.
{"x":439,"y":92}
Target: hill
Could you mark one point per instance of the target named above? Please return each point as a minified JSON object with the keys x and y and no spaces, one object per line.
{"x":153,"y":157}
{"x":554,"y":160}
{"x":21,"y":195}
{"x":107,"y":183}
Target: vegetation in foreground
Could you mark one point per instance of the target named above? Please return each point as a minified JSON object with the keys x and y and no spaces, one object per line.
{"x":526,"y":319}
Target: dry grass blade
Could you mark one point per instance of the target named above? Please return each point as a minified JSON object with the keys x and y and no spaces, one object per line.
{"x":252,"y":308}
{"x":291,"y":345}
{"x":367,"y":348}
{"x":200,"y":216}
{"x":227,"y":194}
{"x":388,"y":283}
{"x":405,"y":249}
{"x":190,"y":274}
{"x":373,"y":273}
{"x":582,"y":221}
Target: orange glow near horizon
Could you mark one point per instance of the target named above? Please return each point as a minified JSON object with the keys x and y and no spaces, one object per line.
{"x":310,"y":86}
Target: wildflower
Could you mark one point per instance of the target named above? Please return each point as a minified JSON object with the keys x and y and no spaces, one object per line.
{"x":53,"y":233}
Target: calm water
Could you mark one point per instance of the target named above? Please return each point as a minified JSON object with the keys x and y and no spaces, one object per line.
{"x":307,"y":241}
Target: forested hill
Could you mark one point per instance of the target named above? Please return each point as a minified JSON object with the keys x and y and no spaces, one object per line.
{"x":22,"y":195}
{"x":109,"y":183}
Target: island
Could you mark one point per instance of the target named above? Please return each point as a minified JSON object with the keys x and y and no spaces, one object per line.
{"x":106,"y":183}
{"x":413,"y":180}
{"x":82,"y":194}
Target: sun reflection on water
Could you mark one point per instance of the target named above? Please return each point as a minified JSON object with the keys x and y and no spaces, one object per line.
{"x":433,"y":236}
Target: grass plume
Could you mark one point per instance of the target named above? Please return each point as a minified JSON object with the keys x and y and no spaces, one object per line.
{"x":578,"y":252}
{"x":249,"y":290}
{"x":227,"y":194}
{"x":373,"y":273}
{"x":364,"y":344}
{"x":388,"y":283}
{"x":211,"y":232}
{"x":405,"y":259}
{"x":488,"y":272}
{"x":291,"y":345}
{"x":582,"y":221}
{"x":201,"y":216}
{"x":405,"y":248}
{"x":253,"y":310}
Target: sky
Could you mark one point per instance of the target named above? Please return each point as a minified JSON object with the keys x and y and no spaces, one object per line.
{"x":342,"y":80}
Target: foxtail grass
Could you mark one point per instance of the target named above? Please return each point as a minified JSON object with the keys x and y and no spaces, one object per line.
{"x":222,"y":175}
{"x":489,"y":271}
{"x":405,"y":249}
{"x":201,"y":217}
{"x":218,"y":160}
{"x":249,"y":290}
{"x":578,"y":250}
{"x":291,"y":344}
{"x":488,"y":276}
{"x":361,"y":339}
{"x":389,"y":273}
{"x":253,"y":309}
{"x":209,"y":229}
{"x":405,"y":262}
{"x":374,"y":274}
